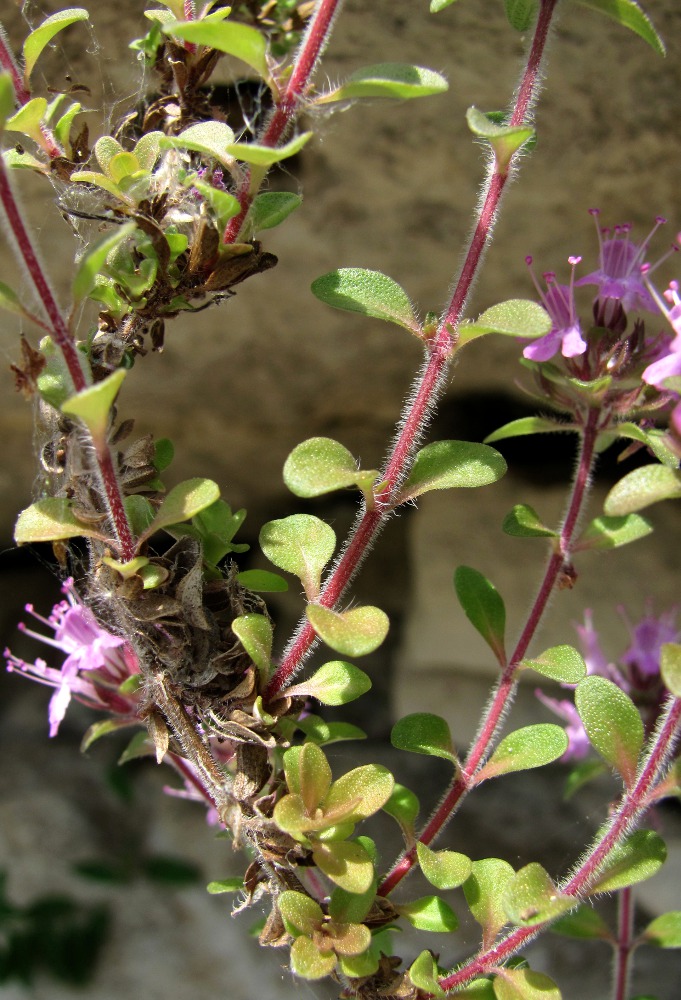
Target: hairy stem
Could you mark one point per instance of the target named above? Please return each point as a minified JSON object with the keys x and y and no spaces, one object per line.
{"x":429,"y":381}
{"x":505,"y":688}
{"x":633,"y":805}
{"x":17,"y":229}
{"x":288,"y":106}
{"x":623,"y":950}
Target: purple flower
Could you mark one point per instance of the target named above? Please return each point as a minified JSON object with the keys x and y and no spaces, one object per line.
{"x":95,"y":666}
{"x":642,"y":658}
{"x":668,"y":363}
{"x":594,"y":657}
{"x":565,"y":333}
{"x":619,"y":276}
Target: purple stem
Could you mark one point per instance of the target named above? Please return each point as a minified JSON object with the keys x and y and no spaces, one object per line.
{"x":503,"y":693}
{"x":287,"y":108}
{"x":624,"y":949}
{"x":429,"y":380}
{"x":633,"y":805}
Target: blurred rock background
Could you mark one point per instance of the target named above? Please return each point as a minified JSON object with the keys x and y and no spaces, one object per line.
{"x":237,"y":387}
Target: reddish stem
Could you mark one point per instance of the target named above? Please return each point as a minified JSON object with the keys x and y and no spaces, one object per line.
{"x":428,"y":383}
{"x":9,"y":64}
{"x":633,"y":805}
{"x":624,"y":949}
{"x":287,"y":108}
{"x":60,"y":333}
{"x":114,"y":499}
{"x":189,"y":15}
{"x":505,"y":688}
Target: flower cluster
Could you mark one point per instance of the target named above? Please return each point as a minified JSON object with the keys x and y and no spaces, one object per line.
{"x":636,"y":672}
{"x":98,"y":669}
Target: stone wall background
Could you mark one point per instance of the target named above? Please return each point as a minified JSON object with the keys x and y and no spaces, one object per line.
{"x":238,"y":387}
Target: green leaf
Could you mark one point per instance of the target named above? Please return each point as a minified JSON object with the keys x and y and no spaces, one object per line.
{"x":505,"y":140}
{"x":629,"y":15}
{"x":210,"y":138}
{"x":16,"y":160}
{"x":7,"y":98}
{"x":437,"y":5}
{"x":484,"y":890}
{"x":322,"y":732}
{"x":370,"y":293}
{"x":255,"y":635}
{"x":653,"y":438}
{"x":94,"y":259}
{"x":531,"y":898}
{"x":62,"y":129}
{"x":443,"y":869}
{"x":424,"y":972}
{"x":319,"y":465}
{"x":52,"y":520}
{"x":612,"y":532}
{"x":28,"y":118}
{"x":44,"y":33}
{"x":308,"y":962}
{"x":424,"y":733}
{"x":670,"y":667}
{"x":356,"y":632}
{"x":359,"y":793}
{"x":400,"y":81}
{"x":524,"y":984}
{"x":584,"y":922}
{"x":346,"y":863}
{"x":234,"y":39}
{"x":612,"y":723}
{"x":93,"y":404}
{"x":664,"y":931}
{"x":531,"y":746}
{"x":521,"y":13}
{"x":560,"y":663}
{"x":262,"y":581}
{"x":270,"y":208}
{"x":476,"y":989}
{"x":183,"y":502}
{"x":430,"y":913}
{"x":639,"y":857}
{"x":581,"y":774}
{"x":336,"y":683}
{"x":224,"y":205}
{"x":514,"y":318}
{"x":644,"y":486}
{"x":524,"y":522}
{"x":9,"y":301}
{"x":225,"y":885}
{"x":445,"y":465}
{"x":99,"y":180}
{"x":524,"y":426}
{"x":307,"y":774}
{"x":102,"y":728}
{"x":300,"y":913}
{"x":265,"y":156}
{"x":300,"y":544}
{"x":403,"y":806}
{"x":483,"y":606}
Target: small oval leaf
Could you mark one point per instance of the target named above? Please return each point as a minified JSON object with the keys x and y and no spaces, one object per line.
{"x":531,"y":898}
{"x":336,"y":683}
{"x":352,"y":633}
{"x":50,"y":520}
{"x":531,"y":746}
{"x":430,"y":913}
{"x":319,"y":465}
{"x":560,"y":663}
{"x":400,"y":81}
{"x":612,"y":532}
{"x":443,"y":869}
{"x":665,"y":931}
{"x":483,"y":606}
{"x":183,"y":502}
{"x":44,"y":33}
{"x":445,"y":465}
{"x":670,"y":667}
{"x":612,"y":723}
{"x":370,"y":293}
{"x":255,"y":635}
{"x":94,"y":259}
{"x":639,"y":857}
{"x":300,"y":544}
{"x":234,"y":39}
{"x":424,"y":733}
{"x":270,"y":208}
{"x":484,"y":890}
{"x":641,"y":488}
{"x":524,"y":522}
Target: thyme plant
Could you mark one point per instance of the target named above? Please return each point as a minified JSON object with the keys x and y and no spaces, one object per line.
{"x":172,"y":640}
